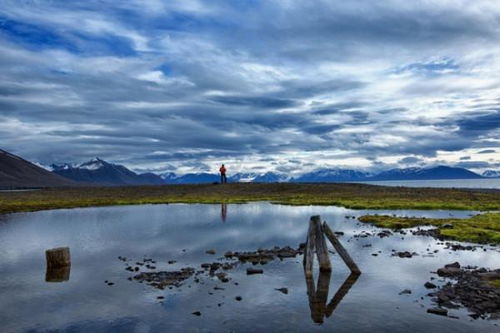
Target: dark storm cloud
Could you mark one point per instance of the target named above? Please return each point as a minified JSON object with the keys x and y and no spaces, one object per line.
{"x":185,"y":83}
{"x":256,"y":102}
{"x":487,"y":151}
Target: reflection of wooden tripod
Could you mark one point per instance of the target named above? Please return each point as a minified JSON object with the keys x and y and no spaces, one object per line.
{"x":318,"y":296}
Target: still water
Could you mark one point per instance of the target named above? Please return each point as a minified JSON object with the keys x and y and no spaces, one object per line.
{"x":487,"y":183}
{"x":181,"y":232}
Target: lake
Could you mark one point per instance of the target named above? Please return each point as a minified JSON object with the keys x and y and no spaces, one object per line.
{"x":183,"y":233}
{"x":489,"y":183}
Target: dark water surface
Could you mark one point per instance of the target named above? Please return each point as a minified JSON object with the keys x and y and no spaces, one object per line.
{"x":97,"y":236}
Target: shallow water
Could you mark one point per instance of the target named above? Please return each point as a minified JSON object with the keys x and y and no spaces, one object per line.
{"x":97,"y":236}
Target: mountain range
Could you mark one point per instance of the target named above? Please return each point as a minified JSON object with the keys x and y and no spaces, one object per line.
{"x":17,"y":172}
{"x":98,"y":171}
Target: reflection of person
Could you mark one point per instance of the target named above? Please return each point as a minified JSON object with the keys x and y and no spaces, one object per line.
{"x":223,"y":212}
{"x":223,"y":178}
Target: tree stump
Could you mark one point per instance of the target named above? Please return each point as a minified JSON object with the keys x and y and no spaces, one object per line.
{"x":58,"y":264}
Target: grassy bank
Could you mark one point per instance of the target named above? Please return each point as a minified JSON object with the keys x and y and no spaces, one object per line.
{"x":484,"y":228}
{"x":356,"y":196}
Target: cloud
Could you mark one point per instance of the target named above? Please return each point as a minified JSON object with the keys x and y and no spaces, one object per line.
{"x":159,"y":85}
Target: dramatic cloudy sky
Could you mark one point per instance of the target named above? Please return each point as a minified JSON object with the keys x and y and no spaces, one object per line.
{"x":262,"y":85}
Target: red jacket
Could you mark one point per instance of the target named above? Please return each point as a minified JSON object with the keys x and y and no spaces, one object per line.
{"x":222,"y":170}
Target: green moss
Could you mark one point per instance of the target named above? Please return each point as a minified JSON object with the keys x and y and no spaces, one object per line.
{"x":356,"y":196}
{"x":482,"y":228}
{"x":495,"y":283}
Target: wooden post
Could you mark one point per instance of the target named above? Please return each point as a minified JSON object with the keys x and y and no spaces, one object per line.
{"x":309,"y":250}
{"x":321,"y":248}
{"x":58,"y":264}
{"x":340,"y":249}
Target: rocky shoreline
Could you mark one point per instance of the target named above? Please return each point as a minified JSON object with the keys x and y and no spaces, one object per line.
{"x":477,"y":289}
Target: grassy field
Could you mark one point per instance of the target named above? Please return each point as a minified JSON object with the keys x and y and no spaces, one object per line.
{"x":357,"y":196}
{"x":483,"y":228}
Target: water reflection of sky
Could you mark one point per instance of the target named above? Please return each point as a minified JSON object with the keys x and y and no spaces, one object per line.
{"x":97,"y":236}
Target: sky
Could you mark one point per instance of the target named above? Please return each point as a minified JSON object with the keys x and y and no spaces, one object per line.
{"x":260,"y":85}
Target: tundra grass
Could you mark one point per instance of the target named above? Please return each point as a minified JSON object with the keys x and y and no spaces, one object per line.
{"x":482,"y":228}
{"x":356,"y":196}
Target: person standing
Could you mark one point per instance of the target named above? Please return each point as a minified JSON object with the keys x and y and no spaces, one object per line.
{"x":223,"y":178}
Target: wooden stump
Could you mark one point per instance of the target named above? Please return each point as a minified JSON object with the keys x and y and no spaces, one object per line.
{"x":58,"y":264}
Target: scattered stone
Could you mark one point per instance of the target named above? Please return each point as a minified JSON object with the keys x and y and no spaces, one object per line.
{"x":438,"y":311}
{"x":164,"y":279}
{"x":211,"y":251}
{"x":384,"y":233}
{"x":404,"y":254}
{"x":110,"y":283}
{"x":251,"y":271}
{"x":405,"y":292}
{"x":430,"y":285}
{"x":196,"y":313}
{"x":282,"y":290}
{"x":170,"y":262}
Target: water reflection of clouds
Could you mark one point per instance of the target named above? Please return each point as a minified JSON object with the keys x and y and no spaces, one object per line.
{"x":98,"y":235}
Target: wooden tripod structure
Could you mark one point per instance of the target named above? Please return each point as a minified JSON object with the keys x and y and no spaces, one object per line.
{"x":316,"y":243}
{"x":318,"y":295}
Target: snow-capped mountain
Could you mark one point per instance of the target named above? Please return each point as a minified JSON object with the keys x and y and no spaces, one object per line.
{"x":438,"y":172}
{"x":332,"y":175}
{"x":491,"y":174}
{"x":98,"y":171}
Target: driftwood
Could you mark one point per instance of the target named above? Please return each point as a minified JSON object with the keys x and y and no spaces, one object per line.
{"x":58,"y":264}
{"x":340,"y":249}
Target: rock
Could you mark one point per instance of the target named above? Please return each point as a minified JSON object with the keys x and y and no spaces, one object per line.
{"x":211,"y":251}
{"x":448,"y":272}
{"x":251,"y":271}
{"x":405,"y":292}
{"x":282,"y":290}
{"x":404,"y":254}
{"x":374,"y":254}
{"x":339,"y":233}
{"x":429,"y":285}
{"x":447,"y":226}
{"x":170,"y":262}
{"x":453,"y":265}
{"x":438,"y":311}
{"x":238,"y":298}
{"x":160,"y":297}
{"x":196,"y":313}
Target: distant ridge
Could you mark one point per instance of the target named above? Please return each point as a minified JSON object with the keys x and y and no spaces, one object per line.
{"x":16,"y":172}
{"x":438,"y":172}
{"x":98,"y":171}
